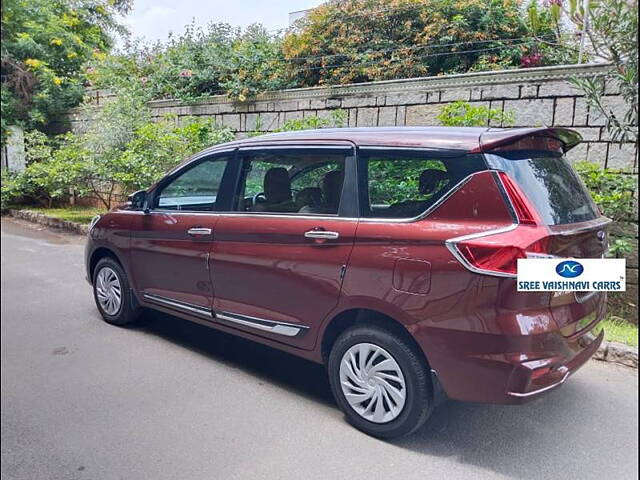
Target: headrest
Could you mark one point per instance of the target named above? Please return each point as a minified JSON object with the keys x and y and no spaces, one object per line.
{"x":309,"y":196}
{"x":332,"y":187}
{"x":277,"y":186}
{"x":432,"y":179}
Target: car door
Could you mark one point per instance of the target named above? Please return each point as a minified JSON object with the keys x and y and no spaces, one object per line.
{"x":278,"y":261}
{"x":171,"y":239}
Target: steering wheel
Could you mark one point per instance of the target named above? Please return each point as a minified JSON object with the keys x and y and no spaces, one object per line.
{"x":259,"y":198}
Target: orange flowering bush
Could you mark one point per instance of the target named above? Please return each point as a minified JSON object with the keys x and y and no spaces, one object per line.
{"x":364,"y":40}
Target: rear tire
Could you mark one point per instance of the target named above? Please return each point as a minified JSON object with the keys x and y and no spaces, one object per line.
{"x":385,"y":400}
{"x":112,"y":294}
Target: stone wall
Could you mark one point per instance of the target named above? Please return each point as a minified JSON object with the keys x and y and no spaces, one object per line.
{"x":537,"y":96}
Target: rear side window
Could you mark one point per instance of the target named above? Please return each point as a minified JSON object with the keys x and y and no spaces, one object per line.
{"x":550,"y":184}
{"x":304,"y":181}
{"x":404,"y":184}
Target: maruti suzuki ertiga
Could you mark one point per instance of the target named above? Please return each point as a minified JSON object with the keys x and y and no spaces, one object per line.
{"x":388,"y":254}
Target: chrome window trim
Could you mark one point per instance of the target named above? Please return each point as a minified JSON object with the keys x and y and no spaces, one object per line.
{"x":308,"y":216}
{"x":256,"y":215}
{"x":452,"y":152}
{"x":287,"y":146}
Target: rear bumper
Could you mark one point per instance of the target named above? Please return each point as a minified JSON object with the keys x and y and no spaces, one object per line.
{"x":507,"y":369}
{"x":555,"y":377}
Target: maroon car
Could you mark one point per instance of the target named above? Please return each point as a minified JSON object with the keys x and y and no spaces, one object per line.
{"x":388,"y":254}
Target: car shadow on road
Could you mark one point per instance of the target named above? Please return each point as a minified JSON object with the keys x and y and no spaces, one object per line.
{"x":296,"y":374}
{"x":533,"y":441}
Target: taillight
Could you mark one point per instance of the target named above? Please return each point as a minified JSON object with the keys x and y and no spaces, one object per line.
{"x":497,"y":252}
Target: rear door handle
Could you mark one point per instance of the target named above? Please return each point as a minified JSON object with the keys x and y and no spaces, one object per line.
{"x":321,"y":234}
{"x":197,"y":231}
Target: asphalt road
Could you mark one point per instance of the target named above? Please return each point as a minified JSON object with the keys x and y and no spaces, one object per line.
{"x":173,"y":400}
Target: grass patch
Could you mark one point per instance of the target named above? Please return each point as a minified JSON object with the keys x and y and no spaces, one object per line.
{"x":81,"y":215}
{"x":619,"y":330}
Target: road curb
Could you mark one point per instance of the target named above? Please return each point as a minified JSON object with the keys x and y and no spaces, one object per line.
{"x":619,"y":353}
{"x":611,"y":352}
{"x":42,"y":219}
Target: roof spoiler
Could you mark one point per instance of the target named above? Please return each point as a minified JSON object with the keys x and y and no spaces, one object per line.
{"x":494,"y":139}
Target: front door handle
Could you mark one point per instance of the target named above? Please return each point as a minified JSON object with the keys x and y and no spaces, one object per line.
{"x":321,"y":235}
{"x":198,"y":231}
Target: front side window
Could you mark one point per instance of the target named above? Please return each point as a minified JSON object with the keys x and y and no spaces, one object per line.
{"x":292,"y":181}
{"x":402,"y":184}
{"x":194,"y":190}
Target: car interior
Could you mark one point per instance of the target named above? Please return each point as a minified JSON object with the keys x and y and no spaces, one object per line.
{"x":431,"y":183}
{"x":408,"y":189}
{"x":281,"y":183}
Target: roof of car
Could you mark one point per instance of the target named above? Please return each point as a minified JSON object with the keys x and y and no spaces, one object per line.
{"x":449,"y":138}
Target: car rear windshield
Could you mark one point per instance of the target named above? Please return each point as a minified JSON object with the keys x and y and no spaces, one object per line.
{"x":549,"y":183}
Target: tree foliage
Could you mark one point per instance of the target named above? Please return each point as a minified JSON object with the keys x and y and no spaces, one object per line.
{"x":364,"y":40}
{"x":613,"y":35}
{"x":45,"y":44}
{"x":338,"y":42}
{"x":123,"y":150}
{"x":610,"y":31}
{"x":615,"y":192}
{"x":198,"y":63}
{"x":464,"y":114}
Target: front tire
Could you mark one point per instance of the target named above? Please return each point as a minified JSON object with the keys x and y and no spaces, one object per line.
{"x":380,"y":381}
{"x":112,"y":293}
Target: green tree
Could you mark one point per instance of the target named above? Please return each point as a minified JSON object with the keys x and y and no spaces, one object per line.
{"x":364,"y":40}
{"x":199,"y":62}
{"x":256,"y":64}
{"x":609,"y":31}
{"x":45,"y":44}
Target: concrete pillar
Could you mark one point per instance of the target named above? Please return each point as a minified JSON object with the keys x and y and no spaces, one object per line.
{"x":13,"y":154}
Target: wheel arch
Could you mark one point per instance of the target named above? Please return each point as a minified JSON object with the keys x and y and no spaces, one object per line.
{"x":100,"y":253}
{"x":364,"y":316}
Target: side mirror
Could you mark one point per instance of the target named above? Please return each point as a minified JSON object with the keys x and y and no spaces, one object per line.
{"x":137,"y":199}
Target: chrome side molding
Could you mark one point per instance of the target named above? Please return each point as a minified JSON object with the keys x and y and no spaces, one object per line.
{"x":279,"y":328}
{"x":234,"y":319}
{"x":177,"y":304}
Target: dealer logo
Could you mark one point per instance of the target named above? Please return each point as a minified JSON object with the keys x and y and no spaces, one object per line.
{"x":569,"y":269}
